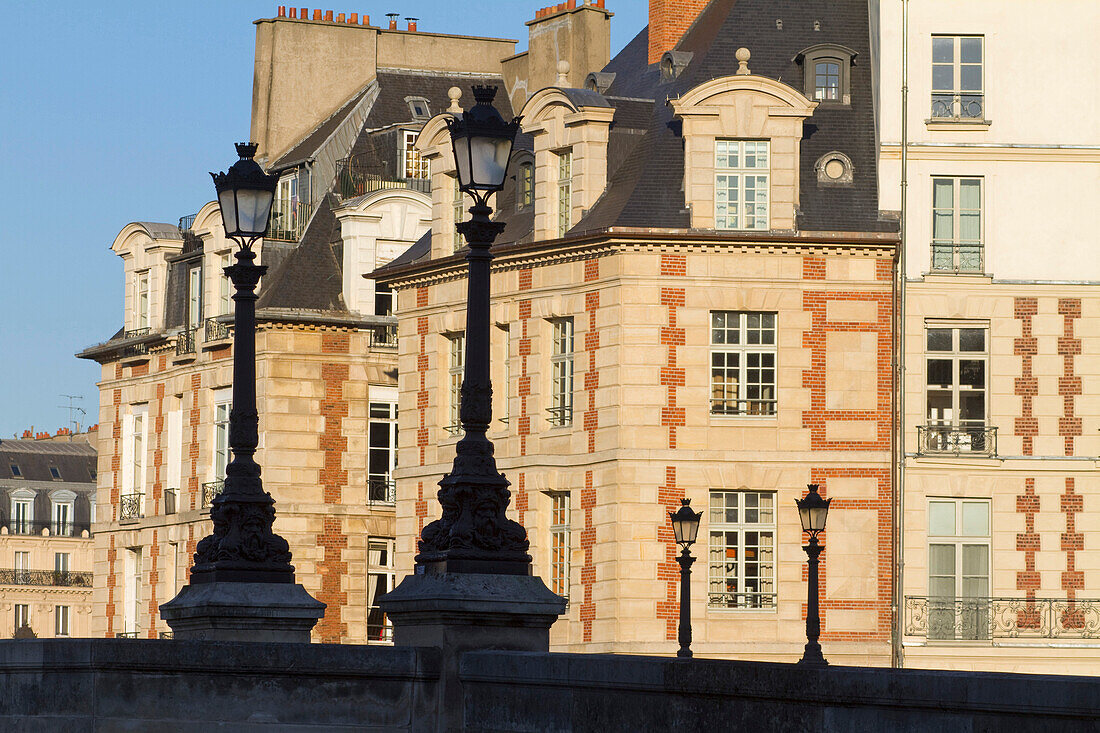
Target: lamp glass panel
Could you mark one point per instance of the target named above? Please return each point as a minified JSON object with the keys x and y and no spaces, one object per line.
{"x":228,"y":202}
{"x":804,"y":517}
{"x":253,"y":208}
{"x":817,"y":517}
{"x":462,"y":160}
{"x":487,"y":162}
{"x":678,"y":531}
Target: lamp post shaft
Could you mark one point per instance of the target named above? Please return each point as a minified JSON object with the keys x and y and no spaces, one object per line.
{"x":812,"y":655}
{"x":685,"y":559}
{"x":244,"y":421}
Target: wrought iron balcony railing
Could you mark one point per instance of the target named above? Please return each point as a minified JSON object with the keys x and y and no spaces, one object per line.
{"x":384,"y":336}
{"x":354,"y":178}
{"x":167,"y":635}
{"x":958,"y":106}
{"x":381,"y":489}
{"x":560,"y":416}
{"x":722,"y":406}
{"x":127,"y":634}
{"x":758,"y":601}
{"x":378,"y":630}
{"x":288,"y":220}
{"x":54,"y":578}
{"x":216,"y":330}
{"x":135,"y":332}
{"x":62,"y":529}
{"x":186,"y":222}
{"x":958,"y":257}
{"x":185,"y":342}
{"x":129,"y":507}
{"x":210,"y":490}
{"x":56,"y":529}
{"x":958,"y":440}
{"x":135,"y":349}
{"x":988,"y":619}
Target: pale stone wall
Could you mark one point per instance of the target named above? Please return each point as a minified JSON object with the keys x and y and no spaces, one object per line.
{"x":43,"y":600}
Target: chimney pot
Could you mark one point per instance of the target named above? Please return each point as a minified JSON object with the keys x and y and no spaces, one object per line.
{"x":316,"y":14}
{"x":354,"y":18}
{"x":393,"y":20}
{"x":572,"y":5}
{"x":282,"y":11}
{"x":294,"y":13}
{"x":328,"y":15}
{"x":341,"y":18}
{"x":366,"y":20}
{"x":304,"y":13}
{"x":412,"y":23}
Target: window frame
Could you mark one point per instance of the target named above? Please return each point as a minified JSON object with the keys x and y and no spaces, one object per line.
{"x":456,"y":343}
{"x":957,"y":95}
{"x":141,"y":299}
{"x":194,"y":297}
{"x":380,"y":486}
{"x":385,"y":571}
{"x":973,"y":612}
{"x":842,"y":56}
{"x":458,"y":212}
{"x":565,"y":191}
{"x":956,"y":244}
{"x":414,"y":166}
{"x":62,"y":502}
{"x":562,"y":360}
{"x":560,"y":542}
{"x":61,"y":621}
{"x":22,"y":613}
{"x":22,"y":511}
{"x":526,"y":185}
{"x":739,"y":174}
{"x":223,"y":409}
{"x":954,"y":434}
{"x":765,"y":601}
{"x":769,"y":407}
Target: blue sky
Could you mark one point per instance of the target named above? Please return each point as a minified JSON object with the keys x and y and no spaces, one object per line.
{"x":114,"y":112}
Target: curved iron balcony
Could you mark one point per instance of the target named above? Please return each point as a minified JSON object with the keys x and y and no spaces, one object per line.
{"x":987,"y":619}
{"x":958,"y":440}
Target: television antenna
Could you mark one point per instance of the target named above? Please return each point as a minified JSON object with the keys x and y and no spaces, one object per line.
{"x":74,"y":424}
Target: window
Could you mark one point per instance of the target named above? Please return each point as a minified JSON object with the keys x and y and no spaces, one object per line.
{"x":742,"y":549}
{"x":416,"y":166}
{"x":565,"y":192}
{"x":561,"y":373}
{"x":826,"y":71}
{"x":956,"y":362}
{"x":957,"y":82}
{"x":22,"y":512}
{"x":194,"y":297}
{"x":62,"y":515}
{"x":22,"y":616}
{"x":131,"y":609}
{"x":505,"y":389}
{"x":289,"y":211}
{"x":559,"y":543}
{"x":222,"y":409}
{"x":225,"y":302}
{"x":141,"y":319}
{"x":458,"y":357}
{"x":526,"y":185}
{"x":742,"y":360}
{"x":460,"y":215}
{"x":741,"y":184}
{"x":419,"y":108}
{"x":131,"y":503}
{"x":15,"y":471}
{"x":61,"y":620}
{"x":957,"y":225}
{"x":55,"y":474}
{"x":827,"y":80}
{"x":382,"y":452}
{"x":380,"y":580}
{"x":958,"y":569}
{"x":22,"y":567}
{"x":61,"y":562}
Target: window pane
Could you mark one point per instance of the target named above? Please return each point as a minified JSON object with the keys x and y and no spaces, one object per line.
{"x":975,"y":519}
{"x":943,"y":77}
{"x":941,"y":560}
{"x":970,"y":194}
{"x":972,"y":373}
{"x":939,"y":372}
{"x":939,"y":407}
{"x":970,"y":78}
{"x":941,"y":520}
{"x":943,"y":49}
{"x":970,"y":50}
{"x":943,"y":193}
{"x":975,"y":560}
{"x":939,"y":339}
{"x":972,"y":407}
{"x":971,"y":339}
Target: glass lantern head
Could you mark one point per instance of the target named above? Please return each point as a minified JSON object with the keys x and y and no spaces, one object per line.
{"x":482,"y":141}
{"x":245,"y":195}
{"x":685,"y":524}
{"x":813,"y":511}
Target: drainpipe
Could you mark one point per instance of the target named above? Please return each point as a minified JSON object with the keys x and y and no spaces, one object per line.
{"x":898,"y":447}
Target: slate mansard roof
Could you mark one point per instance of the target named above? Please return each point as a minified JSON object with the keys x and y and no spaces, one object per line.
{"x":75,"y":464}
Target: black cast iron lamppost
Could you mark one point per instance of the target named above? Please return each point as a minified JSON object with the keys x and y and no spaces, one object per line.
{"x":685,"y":527}
{"x":812,"y":511}
{"x":474,"y":535}
{"x":243,"y":547}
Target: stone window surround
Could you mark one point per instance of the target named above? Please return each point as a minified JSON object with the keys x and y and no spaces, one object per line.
{"x":808,"y":59}
{"x":741,"y":527}
{"x":743,"y":106}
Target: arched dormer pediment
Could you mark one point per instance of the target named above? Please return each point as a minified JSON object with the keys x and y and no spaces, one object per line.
{"x":742,"y":137}
{"x":434,"y":144}
{"x":208,"y":218}
{"x":144,"y":236}
{"x":434,"y":138}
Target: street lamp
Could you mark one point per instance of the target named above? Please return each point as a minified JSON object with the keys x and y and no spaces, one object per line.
{"x":812,"y":511}
{"x":685,"y":527}
{"x":243,"y":547}
{"x":473,"y":535}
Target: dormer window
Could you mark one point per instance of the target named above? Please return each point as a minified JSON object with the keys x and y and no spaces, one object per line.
{"x":413,"y":163}
{"x":526,"y":185}
{"x":194,"y":297}
{"x":418,"y":107}
{"x":827,"y":71}
{"x":741,"y":184}
{"x":141,"y":300}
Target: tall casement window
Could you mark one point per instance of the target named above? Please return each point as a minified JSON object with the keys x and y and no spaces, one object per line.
{"x":957,"y":83}
{"x":22,"y":615}
{"x":22,"y":511}
{"x":225,"y":301}
{"x":141,"y":301}
{"x":61,"y":562}
{"x":957,"y":225}
{"x":382,"y":452}
{"x":22,"y":567}
{"x":526,"y":185}
{"x":457,"y":345}
{"x":380,"y":579}
{"x":134,"y":462}
{"x":958,"y":569}
{"x":559,"y":543}
{"x":827,"y":80}
{"x":506,"y":379}
{"x":742,"y":363}
{"x":222,"y":408}
{"x":565,"y":192}
{"x":416,"y":166}
{"x":459,"y":214}
{"x":194,"y":297}
{"x":61,"y":620}
{"x":956,"y":364}
{"x":741,"y":184}
{"x":131,"y":610}
{"x":61,"y":513}
{"x":561,"y":373}
{"x":742,"y":549}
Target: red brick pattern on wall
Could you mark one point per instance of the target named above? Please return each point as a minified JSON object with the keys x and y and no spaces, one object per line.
{"x":1072,"y":541}
{"x":881,"y":604}
{"x":158,"y":451}
{"x":815,"y":302}
{"x":116,"y":455}
{"x":813,"y":268}
{"x":190,"y":559}
{"x":193,"y":447}
{"x":333,"y":478}
{"x":523,"y":385}
{"x":588,"y":569}
{"x":112,"y":578}
{"x":668,"y":570}
{"x":422,"y":396}
{"x":1027,"y":384}
{"x":154,"y":578}
{"x":1028,"y":542}
{"x":523,"y":499}
{"x":668,"y":21}
{"x":591,"y":375}
{"x":1069,"y":384}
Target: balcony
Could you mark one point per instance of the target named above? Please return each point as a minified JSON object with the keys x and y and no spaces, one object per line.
{"x":288,"y":220}
{"x":384,"y":336}
{"x":735,"y":407}
{"x":216,"y":330}
{"x":381,"y":490}
{"x":560,"y":416}
{"x":211,"y":489}
{"x":990,"y":619}
{"x":139,"y":349}
{"x":127,"y":634}
{"x":185,"y":342}
{"x":129,"y":507}
{"x":742,"y":601}
{"x":355,"y":178}
{"x":61,"y":529}
{"x":49,"y":578}
{"x":958,"y":257}
{"x":958,"y":106}
{"x":964,"y":440}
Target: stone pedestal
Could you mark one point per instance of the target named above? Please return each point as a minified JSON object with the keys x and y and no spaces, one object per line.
{"x":461,"y":612}
{"x":226,"y":611}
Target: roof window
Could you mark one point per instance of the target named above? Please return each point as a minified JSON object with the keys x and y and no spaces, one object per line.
{"x":15,"y":471}
{"x":826,"y":72}
{"x":54,"y":473}
{"x":419,"y":108}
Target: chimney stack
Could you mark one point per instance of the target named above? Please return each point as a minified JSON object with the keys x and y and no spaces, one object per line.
{"x":393,"y":20}
{"x":668,"y":21}
{"x":412,"y":24}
